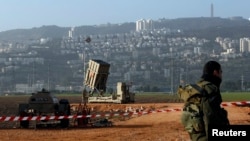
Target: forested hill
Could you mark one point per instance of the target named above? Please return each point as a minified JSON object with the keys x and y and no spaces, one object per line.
{"x":200,"y":27}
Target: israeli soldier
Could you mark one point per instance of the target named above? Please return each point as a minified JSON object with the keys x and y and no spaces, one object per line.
{"x":213,"y":114}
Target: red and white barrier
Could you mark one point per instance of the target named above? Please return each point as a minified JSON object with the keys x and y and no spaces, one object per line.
{"x":37,"y":118}
{"x":242,"y":103}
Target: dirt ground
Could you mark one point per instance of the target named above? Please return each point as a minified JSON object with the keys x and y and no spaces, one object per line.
{"x":159,"y":126}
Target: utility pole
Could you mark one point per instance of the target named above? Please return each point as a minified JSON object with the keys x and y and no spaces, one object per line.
{"x":84,"y":92}
{"x":242,"y":82}
{"x":48,"y":76}
{"x":172,"y":72}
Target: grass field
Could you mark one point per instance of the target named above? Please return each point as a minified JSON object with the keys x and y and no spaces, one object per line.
{"x":226,"y":96}
{"x":236,"y":96}
{"x":151,"y":97}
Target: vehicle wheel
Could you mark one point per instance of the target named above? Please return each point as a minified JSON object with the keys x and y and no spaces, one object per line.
{"x":64,"y":123}
{"x":24,"y":124}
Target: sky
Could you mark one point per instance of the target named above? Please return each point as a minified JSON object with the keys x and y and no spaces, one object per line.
{"x":25,"y":14}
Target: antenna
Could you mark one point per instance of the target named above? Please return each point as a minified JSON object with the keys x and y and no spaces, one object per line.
{"x":212,"y":10}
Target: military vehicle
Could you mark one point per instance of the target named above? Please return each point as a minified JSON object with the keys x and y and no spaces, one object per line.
{"x":95,"y":85}
{"x":43,"y":103}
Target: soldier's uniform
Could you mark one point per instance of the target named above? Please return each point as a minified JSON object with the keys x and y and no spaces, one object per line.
{"x":211,"y":106}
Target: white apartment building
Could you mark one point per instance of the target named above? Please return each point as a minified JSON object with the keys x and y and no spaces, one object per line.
{"x":244,"y":45}
{"x":143,"y":24}
{"x":71,"y":32}
{"x":197,"y":50}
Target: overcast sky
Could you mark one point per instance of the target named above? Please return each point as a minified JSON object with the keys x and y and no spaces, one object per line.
{"x":23,"y":14}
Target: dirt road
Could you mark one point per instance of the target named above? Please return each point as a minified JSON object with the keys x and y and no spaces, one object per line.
{"x":160,"y":126}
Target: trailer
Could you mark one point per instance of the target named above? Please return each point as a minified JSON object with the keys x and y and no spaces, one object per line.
{"x":95,"y":88}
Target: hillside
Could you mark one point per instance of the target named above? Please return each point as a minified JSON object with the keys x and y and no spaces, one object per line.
{"x":203,"y":26}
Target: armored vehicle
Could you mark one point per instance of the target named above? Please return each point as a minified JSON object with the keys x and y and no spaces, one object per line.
{"x":43,"y":103}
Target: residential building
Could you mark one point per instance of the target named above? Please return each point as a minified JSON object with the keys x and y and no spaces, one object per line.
{"x":144,"y":25}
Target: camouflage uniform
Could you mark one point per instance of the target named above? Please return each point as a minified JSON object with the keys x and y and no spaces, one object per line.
{"x":211,"y":106}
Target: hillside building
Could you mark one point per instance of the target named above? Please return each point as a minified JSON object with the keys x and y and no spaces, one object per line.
{"x":144,"y":25}
{"x":244,"y":45}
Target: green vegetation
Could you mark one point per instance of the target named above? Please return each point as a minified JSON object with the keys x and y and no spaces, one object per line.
{"x":155,"y":97}
{"x":149,"y":97}
{"x":163,"y":97}
{"x":236,"y":96}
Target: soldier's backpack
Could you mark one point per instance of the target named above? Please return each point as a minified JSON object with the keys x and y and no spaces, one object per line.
{"x":192,"y":115}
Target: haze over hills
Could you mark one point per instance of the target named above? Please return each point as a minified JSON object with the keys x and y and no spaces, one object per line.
{"x":201,"y":27}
